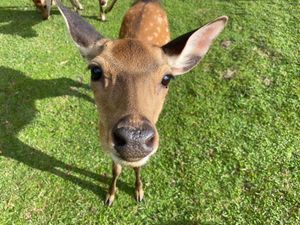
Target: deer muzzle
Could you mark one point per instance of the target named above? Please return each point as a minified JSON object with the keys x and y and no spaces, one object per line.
{"x":134,"y":141}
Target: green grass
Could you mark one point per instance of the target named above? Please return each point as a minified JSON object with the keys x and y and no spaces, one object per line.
{"x":230,"y":148}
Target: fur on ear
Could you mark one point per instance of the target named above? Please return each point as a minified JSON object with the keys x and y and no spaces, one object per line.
{"x":83,"y":34}
{"x":186,"y":51}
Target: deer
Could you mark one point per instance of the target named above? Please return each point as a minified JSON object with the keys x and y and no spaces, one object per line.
{"x":130,"y":79}
{"x":44,"y":6}
{"x":104,"y":8}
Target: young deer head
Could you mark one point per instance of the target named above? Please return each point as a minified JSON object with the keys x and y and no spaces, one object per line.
{"x":130,"y":77}
{"x":44,"y":6}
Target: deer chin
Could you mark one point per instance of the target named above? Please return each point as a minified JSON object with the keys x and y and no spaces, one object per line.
{"x":132,"y":162}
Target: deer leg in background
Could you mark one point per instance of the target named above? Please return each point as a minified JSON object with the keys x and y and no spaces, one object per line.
{"x":48,"y":4}
{"x":109,"y":8}
{"x":76,"y":4}
{"x":102,"y":16}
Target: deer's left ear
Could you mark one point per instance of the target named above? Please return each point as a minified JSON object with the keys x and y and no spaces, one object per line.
{"x":185,"y":52}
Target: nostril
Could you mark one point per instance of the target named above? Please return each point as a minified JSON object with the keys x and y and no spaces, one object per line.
{"x":150,"y":141}
{"x":119,"y":140}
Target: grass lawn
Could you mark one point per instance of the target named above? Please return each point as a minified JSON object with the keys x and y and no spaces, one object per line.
{"x":230,"y":130}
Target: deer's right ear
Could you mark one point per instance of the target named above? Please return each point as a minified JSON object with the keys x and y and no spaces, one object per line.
{"x":85,"y":37}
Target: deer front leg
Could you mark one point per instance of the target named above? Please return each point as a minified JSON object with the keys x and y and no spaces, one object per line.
{"x":76,"y":4}
{"x":102,"y":15}
{"x":116,"y":171}
{"x":139,"y":192}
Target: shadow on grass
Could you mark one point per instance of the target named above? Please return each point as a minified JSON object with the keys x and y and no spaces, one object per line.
{"x":16,"y":21}
{"x":18,"y":94}
{"x":187,"y":222}
{"x":93,"y":18}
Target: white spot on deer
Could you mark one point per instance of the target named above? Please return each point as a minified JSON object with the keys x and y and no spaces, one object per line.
{"x":159,"y":20}
{"x":155,"y":34}
{"x":151,"y":24}
{"x":150,"y":38}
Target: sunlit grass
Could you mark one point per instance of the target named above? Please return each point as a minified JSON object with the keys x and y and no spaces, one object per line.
{"x":230,"y":143}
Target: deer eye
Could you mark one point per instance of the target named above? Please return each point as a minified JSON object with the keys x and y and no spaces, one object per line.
{"x":166,"y":79}
{"x":96,"y":73}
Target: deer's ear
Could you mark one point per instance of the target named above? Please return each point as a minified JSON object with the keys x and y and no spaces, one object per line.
{"x":185,"y":52}
{"x":85,"y":37}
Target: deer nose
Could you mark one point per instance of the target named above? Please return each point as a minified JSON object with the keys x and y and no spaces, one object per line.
{"x":134,"y":143}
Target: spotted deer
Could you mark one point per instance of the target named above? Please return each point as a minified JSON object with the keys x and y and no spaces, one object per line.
{"x":130,"y":78}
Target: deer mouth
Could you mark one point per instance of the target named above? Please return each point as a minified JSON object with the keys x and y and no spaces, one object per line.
{"x":133,"y":162}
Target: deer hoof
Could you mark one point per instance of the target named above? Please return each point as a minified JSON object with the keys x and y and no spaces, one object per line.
{"x":102,"y":18}
{"x":109,"y":199}
{"x":139,"y":195}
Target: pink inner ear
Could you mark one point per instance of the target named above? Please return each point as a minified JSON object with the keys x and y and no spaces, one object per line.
{"x":197,"y":46}
{"x":204,"y":36}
